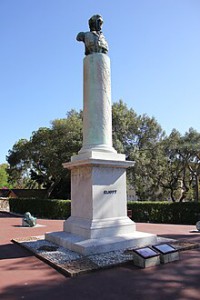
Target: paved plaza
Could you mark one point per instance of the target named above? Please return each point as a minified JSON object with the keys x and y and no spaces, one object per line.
{"x":23,"y":276}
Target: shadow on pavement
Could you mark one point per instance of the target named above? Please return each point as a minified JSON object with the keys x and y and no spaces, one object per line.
{"x":5,"y":214}
{"x":9,"y":251}
{"x":165,"y":282}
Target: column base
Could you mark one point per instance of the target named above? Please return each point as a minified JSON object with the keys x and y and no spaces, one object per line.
{"x":101,"y":245}
{"x":97,"y":154}
{"x":99,"y":228}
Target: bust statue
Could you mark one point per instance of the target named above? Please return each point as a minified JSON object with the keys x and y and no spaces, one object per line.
{"x":94,"y":40}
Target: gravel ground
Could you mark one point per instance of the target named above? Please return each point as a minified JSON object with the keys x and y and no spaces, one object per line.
{"x":71,"y":263}
{"x":61,"y":255}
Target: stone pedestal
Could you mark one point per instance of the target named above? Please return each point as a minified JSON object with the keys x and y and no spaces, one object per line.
{"x":98,"y":221}
{"x":98,"y":199}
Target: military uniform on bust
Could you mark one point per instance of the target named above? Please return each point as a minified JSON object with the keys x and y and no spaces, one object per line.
{"x":94,"y":40}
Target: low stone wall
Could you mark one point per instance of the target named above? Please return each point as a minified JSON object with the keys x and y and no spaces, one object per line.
{"x":4,"y":204}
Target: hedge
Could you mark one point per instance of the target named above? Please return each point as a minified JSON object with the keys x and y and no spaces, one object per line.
{"x":145,"y":211}
{"x":42,"y":208}
{"x":165,"y":212}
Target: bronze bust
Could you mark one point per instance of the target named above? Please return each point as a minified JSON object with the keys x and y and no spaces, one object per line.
{"x":94,"y":40}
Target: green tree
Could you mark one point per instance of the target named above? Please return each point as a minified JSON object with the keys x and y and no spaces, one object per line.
{"x":139,"y":138}
{"x":19,"y":164}
{"x":148,"y":157}
{"x":124,"y":126}
{"x":182,"y":170}
{"x":165,"y":167}
{"x":190,"y":153}
{"x":4,"y":176}
{"x":170,"y":177}
{"x":38,"y":162}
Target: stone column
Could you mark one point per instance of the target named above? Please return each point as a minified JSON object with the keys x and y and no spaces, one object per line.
{"x":98,"y":221}
{"x":97,"y":111}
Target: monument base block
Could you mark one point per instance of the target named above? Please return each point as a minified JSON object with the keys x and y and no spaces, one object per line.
{"x":98,"y":228}
{"x":98,"y":221}
{"x":101,"y":245}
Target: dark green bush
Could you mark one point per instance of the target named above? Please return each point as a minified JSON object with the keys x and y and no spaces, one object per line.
{"x":165,"y":212}
{"x":42,"y":208}
{"x":154,"y":212}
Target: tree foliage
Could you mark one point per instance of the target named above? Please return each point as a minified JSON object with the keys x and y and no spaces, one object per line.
{"x":38,"y":162}
{"x":4,"y":176}
{"x":166,"y":167}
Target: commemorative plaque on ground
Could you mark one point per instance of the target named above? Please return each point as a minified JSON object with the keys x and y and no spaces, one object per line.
{"x":167,"y":253}
{"x":145,"y":257}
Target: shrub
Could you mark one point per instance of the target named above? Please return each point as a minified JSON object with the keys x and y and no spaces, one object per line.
{"x":154,"y":212}
{"x":165,"y":212}
{"x":42,"y":208}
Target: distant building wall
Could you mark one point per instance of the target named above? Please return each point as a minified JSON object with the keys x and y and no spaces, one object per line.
{"x":23,"y":193}
{"x":4,"y":204}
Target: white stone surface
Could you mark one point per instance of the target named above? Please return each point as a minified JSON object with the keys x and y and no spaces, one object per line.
{"x":98,"y":192}
{"x":97,"y":154}
{"x":98,"y":162}
{"x":97,"y":115}
{"x":99,"y":228}
{"x":102,"y":245}
{"x":98,"y":221}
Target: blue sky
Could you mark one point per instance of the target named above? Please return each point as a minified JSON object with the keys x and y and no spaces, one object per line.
{"x":154,"y":51}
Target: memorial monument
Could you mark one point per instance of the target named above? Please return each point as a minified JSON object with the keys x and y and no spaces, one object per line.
{"x":98,"y":221}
